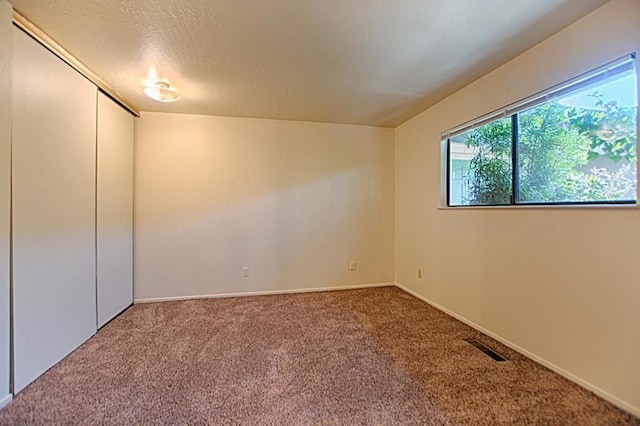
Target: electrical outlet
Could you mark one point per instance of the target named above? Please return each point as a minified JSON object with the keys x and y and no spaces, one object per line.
{"x":353,"y":265}
{"x":245,"y":272}
{"x":419,"y":273}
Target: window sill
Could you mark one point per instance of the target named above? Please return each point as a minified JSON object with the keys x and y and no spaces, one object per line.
{"x":546,"y":206}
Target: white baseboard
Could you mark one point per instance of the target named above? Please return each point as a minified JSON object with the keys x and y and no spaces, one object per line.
{"x":5,"y":400}
{"x":590,"y":387}
{"x":261,"y":293}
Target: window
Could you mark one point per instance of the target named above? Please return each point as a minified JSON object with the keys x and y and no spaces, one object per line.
{"x":572,"y":144}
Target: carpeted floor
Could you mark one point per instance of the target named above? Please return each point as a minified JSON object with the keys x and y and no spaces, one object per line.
{"x":373,"y":356}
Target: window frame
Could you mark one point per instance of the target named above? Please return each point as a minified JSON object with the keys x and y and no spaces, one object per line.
{"x":612,"y":68}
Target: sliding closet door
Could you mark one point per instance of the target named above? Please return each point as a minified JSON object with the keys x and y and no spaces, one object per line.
{"x":54,"y":158}
{"x":115,"y":209}
{"x":5,"y":187}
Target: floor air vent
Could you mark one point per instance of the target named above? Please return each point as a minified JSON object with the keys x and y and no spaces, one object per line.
{"x":496,"y":356}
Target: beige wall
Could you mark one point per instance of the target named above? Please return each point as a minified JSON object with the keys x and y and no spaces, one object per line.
{"x":294,"y":201}
{"x":5,"y":182}
{"x":560,"y":283}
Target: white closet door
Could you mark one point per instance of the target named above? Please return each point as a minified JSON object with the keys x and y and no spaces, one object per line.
{"x":5,"y":190}
{"x":54,"y":177}
{"x":115,"y":209}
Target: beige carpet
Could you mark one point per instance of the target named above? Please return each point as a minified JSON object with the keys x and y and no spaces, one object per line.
{"x":373,"y":356}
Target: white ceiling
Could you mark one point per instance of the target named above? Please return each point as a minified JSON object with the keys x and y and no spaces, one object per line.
{"x":373,"y":62}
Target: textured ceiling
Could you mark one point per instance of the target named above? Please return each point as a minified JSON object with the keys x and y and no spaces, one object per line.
{"x":374,"y":62}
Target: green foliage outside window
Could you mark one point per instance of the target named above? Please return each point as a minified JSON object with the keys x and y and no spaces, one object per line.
{"x":564,"y":154}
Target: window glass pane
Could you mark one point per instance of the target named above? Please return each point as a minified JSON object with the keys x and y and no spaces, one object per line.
{"x":581,"y":147}
{"x":480,"y":165}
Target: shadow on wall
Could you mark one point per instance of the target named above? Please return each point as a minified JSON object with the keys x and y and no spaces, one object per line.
{"x":293,"y":200}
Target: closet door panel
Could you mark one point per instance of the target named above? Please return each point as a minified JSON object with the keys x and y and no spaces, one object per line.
{"x":5,"y":191}
{"x":54,"y":169}
{"x":115,"y":209}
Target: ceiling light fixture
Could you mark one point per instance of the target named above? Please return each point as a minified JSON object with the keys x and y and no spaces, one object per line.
{"x":162,"y":92}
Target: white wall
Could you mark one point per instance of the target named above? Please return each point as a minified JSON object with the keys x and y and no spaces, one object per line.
{"x":560,"y":283}
{"x":294,"y":201}
{"x":5,"y":185}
